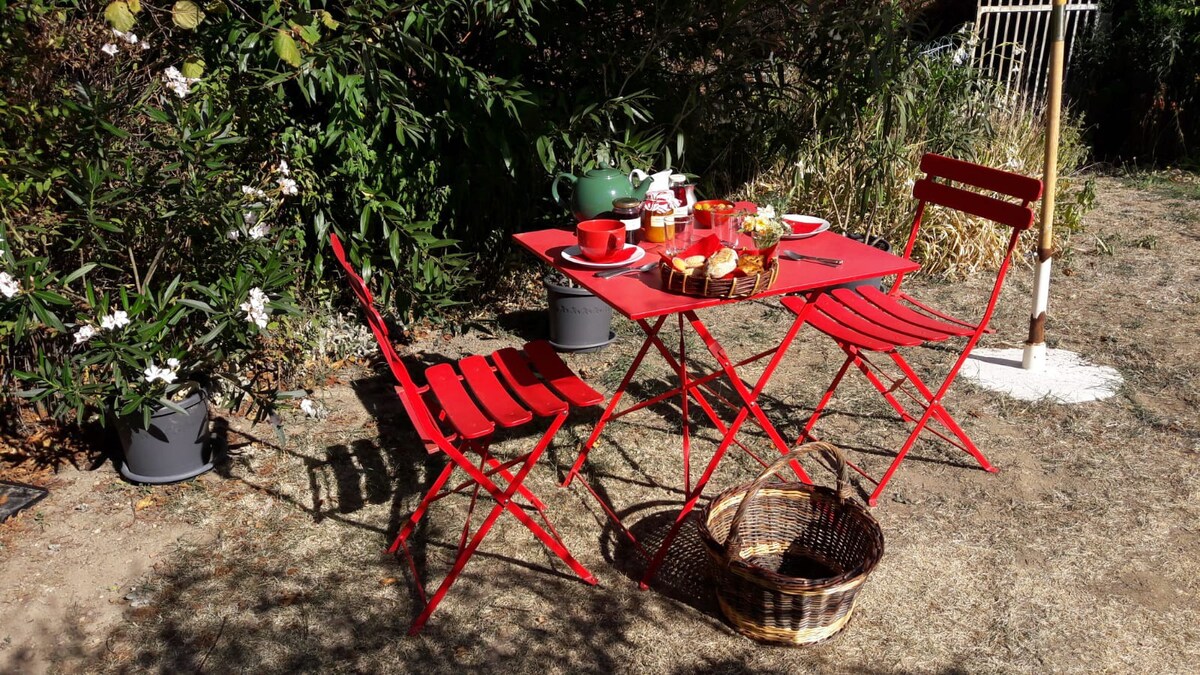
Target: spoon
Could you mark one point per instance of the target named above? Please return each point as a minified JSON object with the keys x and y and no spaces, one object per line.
{"x":608,"y":274}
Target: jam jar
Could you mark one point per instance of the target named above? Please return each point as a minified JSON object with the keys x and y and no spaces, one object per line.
{"x":657,"y":222}
{"x":629,"y":211}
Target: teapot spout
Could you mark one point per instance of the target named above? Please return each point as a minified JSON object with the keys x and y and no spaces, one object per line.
{"x":641,"y":187}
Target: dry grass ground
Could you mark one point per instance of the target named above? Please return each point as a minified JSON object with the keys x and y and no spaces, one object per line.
{"x":1081,"y":555}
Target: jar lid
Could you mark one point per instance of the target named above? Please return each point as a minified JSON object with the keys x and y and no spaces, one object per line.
{"x":678,"y":178}
{"x":626,"y":203}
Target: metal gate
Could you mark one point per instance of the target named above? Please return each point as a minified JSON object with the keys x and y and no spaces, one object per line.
{"x":1013,"y":44}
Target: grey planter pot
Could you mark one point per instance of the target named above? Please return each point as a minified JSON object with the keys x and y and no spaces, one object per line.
{"x":579,"y":321}
{"x":174,"y":448}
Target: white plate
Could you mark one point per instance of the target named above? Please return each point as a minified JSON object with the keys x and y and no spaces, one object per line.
{"x":807,"y":219}
{"x":572,"y":254}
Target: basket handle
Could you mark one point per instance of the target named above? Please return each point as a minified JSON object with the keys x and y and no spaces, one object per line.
{"x":843,"y":486}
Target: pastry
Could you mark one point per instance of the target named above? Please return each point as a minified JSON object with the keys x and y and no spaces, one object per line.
{"x":694,"y":261}
{"x":722,"y":263}
{"x":750,"y":264}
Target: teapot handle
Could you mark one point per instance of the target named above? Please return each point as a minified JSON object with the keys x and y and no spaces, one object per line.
{"x":554,"y":188}
{"x":639,"y":175}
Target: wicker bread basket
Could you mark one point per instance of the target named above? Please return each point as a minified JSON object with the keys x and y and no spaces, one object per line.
{"x":730,"y":287}
{"x":789,"y":558}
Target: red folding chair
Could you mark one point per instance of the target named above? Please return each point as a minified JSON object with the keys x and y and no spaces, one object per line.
{"x":866,"y":321}
{"x":457,"y":420}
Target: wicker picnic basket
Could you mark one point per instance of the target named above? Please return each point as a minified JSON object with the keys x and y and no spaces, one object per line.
{"x":789,"y":558}
{"x":730,"y":287}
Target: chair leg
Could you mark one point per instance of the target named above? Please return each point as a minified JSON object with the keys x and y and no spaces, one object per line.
{"x":939,"y":411}
{"x":503,"y":502}
{"x":837,"y":380}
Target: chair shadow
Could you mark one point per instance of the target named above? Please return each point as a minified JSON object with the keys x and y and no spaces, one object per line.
{"x":527,"y":324}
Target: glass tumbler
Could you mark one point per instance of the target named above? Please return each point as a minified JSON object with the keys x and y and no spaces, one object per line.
{"x":682,"y":230}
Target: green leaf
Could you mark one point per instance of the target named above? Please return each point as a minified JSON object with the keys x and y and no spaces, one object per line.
{"x":285,"y":48}
{"x":135,"y":6}
{"x":197,"y":304}
{"x":118,"y":16}
{"x":308,"y":34}
{"x":187,"y":14}
{"x":327,"y":19}
{"x":193,"y":67}
{"x":77,"y":273}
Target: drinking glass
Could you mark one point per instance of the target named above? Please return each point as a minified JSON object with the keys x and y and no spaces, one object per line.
{"x":682,"y":231}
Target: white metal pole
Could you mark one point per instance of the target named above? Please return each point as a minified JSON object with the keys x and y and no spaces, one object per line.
{"x":1034,"y":356}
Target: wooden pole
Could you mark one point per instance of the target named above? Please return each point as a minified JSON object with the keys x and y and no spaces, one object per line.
{"x":1034,"y":356}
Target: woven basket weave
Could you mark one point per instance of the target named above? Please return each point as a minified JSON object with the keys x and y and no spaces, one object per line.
{"x":731,"y":287}
{"x":789,"y":558}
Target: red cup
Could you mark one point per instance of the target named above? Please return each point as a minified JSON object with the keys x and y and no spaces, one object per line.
{"x":601,"y":239}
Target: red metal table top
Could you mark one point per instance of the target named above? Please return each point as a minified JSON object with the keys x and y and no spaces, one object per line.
{"x":639,"y":296}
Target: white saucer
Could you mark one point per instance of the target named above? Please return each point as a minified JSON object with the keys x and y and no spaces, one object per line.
{"x":572,"y":254}
{"x":810,"y":219}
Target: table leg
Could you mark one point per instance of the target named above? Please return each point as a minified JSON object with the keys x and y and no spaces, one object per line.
{"x":651,"y":338}
{"x":749,"y":406}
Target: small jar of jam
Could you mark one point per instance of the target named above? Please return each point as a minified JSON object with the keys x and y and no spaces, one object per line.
{"x":629,"y":211}
{"x":657,"y":222}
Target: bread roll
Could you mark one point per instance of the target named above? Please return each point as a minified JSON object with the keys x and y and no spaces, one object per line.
{"x":722,"y":262}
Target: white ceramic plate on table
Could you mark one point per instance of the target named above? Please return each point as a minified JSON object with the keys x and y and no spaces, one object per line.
{"x":821,"y":225}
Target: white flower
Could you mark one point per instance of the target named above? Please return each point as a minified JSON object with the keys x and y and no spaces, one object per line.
{"x":177,"y":83}
{"x":767,"y":211}
{"x":117,"y":319}
{"x":8,"y":285}
{"x":153,"y":372}
{"x":173,"y":363}
{"x":255,"y":307}
{"x":127,"y":37}
{"x":249,"y":217}
{"x":233,"y":235}
{"x":284,"y":168}
{"x":109,"y":49}
{"x":309,"y":407}
{"x":84,"y":334}
{"x":288,"y":186}
{"x":251,"y":191}
{"x":259,"y":231}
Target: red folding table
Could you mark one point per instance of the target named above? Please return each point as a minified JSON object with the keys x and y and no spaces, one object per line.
{"x":641,"y":298}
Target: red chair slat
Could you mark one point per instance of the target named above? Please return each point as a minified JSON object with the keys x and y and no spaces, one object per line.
{"x":997,"y":210}
{"x":938,"y":314}
{"x":461,"y":411}
{"x":982,"y":177}
{"x":890,"y":305}
{"x":560,"y":376}
{"x":492,"y":395}
{"x":515,"y":370}
{"x":843,"y":315}
{"x":873,"y":313}
{"x":825,"y":324}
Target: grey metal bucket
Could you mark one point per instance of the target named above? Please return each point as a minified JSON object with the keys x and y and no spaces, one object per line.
{"x":579,"y":321}
{"x":175,"y":447}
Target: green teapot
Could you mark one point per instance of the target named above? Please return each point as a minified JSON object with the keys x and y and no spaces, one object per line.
{"x":595,"y":191}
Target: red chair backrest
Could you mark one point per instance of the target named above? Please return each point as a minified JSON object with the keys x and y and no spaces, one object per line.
{"x":408,"y":391}
{"x":1016,"y":214}
{"x":1024,"y":188}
